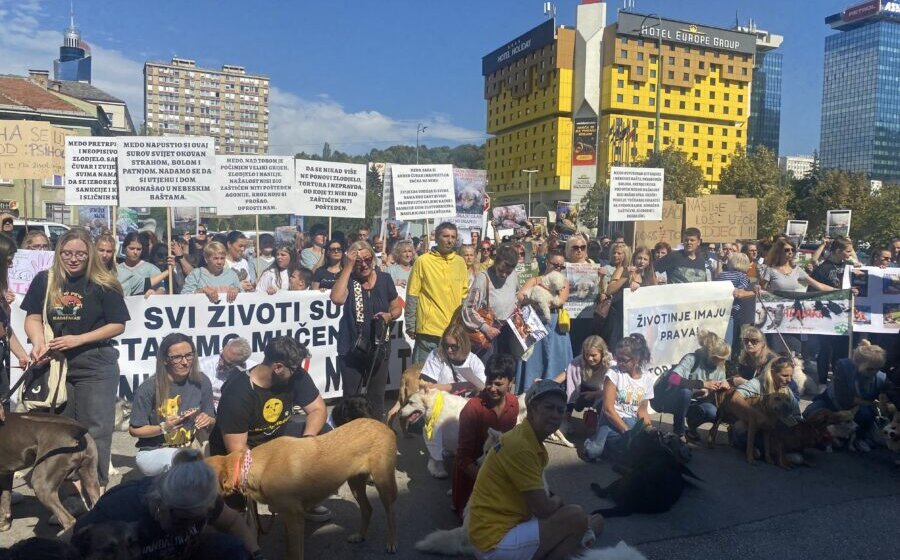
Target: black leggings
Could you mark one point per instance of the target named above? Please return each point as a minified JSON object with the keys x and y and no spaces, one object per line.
{"x":352,"y":373}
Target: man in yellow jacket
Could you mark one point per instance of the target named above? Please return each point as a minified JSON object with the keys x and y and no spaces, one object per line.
{"x":438,"y":284}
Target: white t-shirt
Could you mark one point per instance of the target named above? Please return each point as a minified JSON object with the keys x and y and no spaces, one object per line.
{"x":630,"y":392}
{"x":472,"y":370}
{"x":267,"y":280}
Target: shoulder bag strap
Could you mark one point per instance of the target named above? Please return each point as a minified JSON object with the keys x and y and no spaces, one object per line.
{"x":358,"y":299}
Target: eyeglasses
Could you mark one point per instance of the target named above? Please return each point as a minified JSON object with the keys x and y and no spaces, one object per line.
{"x":335,"y":249}
{"x":557,"y":265}
{"x":451,"y":347}
{"x":201,"y":232}
{"x":41,"y":247}
{"x":77,"y":255}
{"x":751,"y":341}
{"x":189,"y":357}
{"x":365,"y":261}
{"x":579,"y":247}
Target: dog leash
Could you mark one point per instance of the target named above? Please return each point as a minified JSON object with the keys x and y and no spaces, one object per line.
{"x":777,"y":330}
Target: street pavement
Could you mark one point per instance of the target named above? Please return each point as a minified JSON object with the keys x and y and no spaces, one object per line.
{"x":846,"y":506}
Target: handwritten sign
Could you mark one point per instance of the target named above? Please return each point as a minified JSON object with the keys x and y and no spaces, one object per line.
{"x":31,"y":150}
{"x":26,"y":264}
{"x":721,"y":218}
{"x":668,"y":229}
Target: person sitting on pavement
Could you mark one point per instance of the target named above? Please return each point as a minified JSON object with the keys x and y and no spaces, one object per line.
{"x":857,"y":382}
{"x":495,"y":407}
{"x":512,"y":514}
{"x":171,"y":407}
{"x":452,"y":366}
{"x":687,"y":390}
{"x":259,"y":407}
{"x":177,"y":514}
{"x":627,"y":392}
{"x":775,"y":379}
{"x":584,"y":380}
{"x":230,"y":361}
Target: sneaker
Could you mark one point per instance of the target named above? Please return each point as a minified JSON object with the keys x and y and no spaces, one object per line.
{"x":862,"y":446}
{"x":318,"y":514}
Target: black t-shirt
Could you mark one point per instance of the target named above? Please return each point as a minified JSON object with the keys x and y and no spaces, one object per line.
{"x":830,"y":274}
{"x":128,"y":502}
{"x":260,"y":413}
{"x":376,"y":300}
{"x":681,"y":270}
{"x":82,"y":308}
{"x":325,"y":278}
{"x":145,"y":411}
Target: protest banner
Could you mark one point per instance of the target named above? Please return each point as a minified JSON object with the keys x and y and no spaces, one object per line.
{"x":584,"y":287}
{"x":94,"y":218}
{"x":251,"y":185}
{"x":397,"y":230}
{"x":528,"y":327}
{"x":468,"y":186}
{"x":635,"y":193}
{"x":167,"y":171}
{"x":837,"y":223}
{"x":721,"y":218}
{"x":796,"y":231}
{"x":670,"y":317}
{"x":31,"y":150}
{"x":91,"y":177}
{"x":308,"y":316}
{"x":26,"y":264}
{"x":422,"y":191}
{"x":877,"y":307}
{"x":804,"y":312}
{"x":538,"y":226}
{"x":329,"y":189}
{"x":668,"y":229}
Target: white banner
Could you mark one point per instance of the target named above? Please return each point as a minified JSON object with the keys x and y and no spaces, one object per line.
{"x":25,"y":266}
{"x":308,"y":316}
{"x":91,"y":178}
{"x":877,"y":307}
{"x":251,"y":185}
{"x":635,"y":194}
{"x":167,"y":171}
{"x":825,"y":313}
{"x":331,"y":189}
{"x":423,"y":191}
{"x":671,"y":316}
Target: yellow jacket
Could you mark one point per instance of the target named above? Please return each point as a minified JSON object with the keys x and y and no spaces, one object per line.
{"x":440,"y":283}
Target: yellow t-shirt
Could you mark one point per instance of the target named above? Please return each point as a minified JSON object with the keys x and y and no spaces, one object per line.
{"x":514,"y":466}
{"x":440,"y":284}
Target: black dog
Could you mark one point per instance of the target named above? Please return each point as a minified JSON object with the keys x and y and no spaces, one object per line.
{"x":350,"y":408}
{"x":652,"y":476}
{"x":115,"y":540}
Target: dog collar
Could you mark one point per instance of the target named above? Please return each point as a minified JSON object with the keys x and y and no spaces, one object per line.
{"x":242,"y":471}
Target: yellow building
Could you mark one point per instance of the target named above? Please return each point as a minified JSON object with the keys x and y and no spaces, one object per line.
{"x":528,"y":88}
{"x":704,"y":74}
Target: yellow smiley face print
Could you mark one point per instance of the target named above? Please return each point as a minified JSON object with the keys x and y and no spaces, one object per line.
{"x":272,"y":410}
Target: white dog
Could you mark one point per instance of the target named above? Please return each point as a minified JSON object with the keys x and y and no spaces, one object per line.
{"x":546,"y":293}
{"x":806,"y":384}
{"x":444,"y":433}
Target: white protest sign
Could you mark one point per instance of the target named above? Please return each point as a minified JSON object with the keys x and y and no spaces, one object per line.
{"x":167,"y":171}
{"x":826,"y":313}
{"x":308,"y":316}
{"x":877,"y":307}
{"x":423,"y":191}
{"x":584,"y":288}
{"x":636,"y":193}
{"x":331,"y":189}
{"x":670,"y":317}
{"x":256,"y":185}
{"x":837,"y":223}
{"x":25,"y":266}
{"x":91,"y":178}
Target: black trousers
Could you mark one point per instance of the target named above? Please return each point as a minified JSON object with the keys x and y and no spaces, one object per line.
{"x":353,"y":380}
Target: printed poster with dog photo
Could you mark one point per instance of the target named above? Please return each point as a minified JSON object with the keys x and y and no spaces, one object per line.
{"x":877,"y":305}
{"x":468,"y":187}
{"x":527,"y":325}
{"x":584,"y":287}
{"x":804,"y":312}
{"x":796,"y":231}
{"x":837,"y":223}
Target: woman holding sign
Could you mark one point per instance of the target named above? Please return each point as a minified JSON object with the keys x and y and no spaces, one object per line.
{"x":73,"y":311}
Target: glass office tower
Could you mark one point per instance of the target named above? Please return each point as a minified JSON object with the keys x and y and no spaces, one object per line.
{"x":765,"y":101}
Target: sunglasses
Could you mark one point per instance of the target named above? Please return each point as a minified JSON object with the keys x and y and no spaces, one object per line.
{"x":560,"y":266}
{"x":751,"y":341}
{"x":453,"y":347}
{"x":579,"y":247}
{"x":201,"y":232}
{"x":364,"y":261}
{"x":335,"y":249}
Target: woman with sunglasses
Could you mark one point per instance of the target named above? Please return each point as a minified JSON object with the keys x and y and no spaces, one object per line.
{"x":367,"y":296}
{"x":452,"y":366}
{"x":84,"y":308}
{"x":277,"y":278}
{"x":584,"y":326}
{"x":325,"y":276}
{"x":170,"y":407}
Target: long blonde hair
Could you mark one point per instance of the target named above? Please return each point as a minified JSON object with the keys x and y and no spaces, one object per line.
{"x":768,"y":383}
{"x":94,"y":270}
{"x":597,"y":343}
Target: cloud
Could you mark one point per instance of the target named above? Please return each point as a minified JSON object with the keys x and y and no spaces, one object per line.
{"x":295,"y":123}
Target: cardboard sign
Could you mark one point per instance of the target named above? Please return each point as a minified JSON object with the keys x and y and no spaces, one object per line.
{"x":721,"y":218}
{"x":423,"y":191}
{"x":31,"y":150}
{"x":331,"y":189}
{"x":167,"y":171}
{"x":91,"y":178}
{"x":668,"y":229}
{"x":635,"y":194}
{"x":256,"y":185}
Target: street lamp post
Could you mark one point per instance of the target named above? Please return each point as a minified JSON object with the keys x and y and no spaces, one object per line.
{"x":531,"y":173}
{"x":419,"y":130}
{"x":659,"y":70}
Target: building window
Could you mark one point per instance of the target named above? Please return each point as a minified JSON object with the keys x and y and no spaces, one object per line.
{"x":724,"y":159}
{"x":671,"y":60}
{"x":739,"y":133}
{"x":640,"y":56}
{"x":702,"y":65}
{"x":708,"y":157}
{"x":694,"y":156}
{"x":724,"y":145}
{"x":652,"y":102}
{"x":666,"y":103}
{"x":709,"y":170}
{"x":724,"y":132}
{"x":686,"y":77}
{"x":623,"y":53}
{"x":650,"y":138}
{"x":740,"y":98}
{"x":727,"y":97}
{"x":671,"y":74}
{"x":740,"y":111}
{"x":665,"y":140}
{"x":709,"y":144}
{"x":687,"y":62}
{"x":619,"y":98}
{"x":712,"y":81}
{"x":620,"y":83}
{"x":665,"y":126}
{"x":696,"y":93}
{"x":744,"y":71}
{"x":621,"y":69}
{"x":681,"y":104}
{"x":696,"y":106}
{"x":730,"y":69}
{"x":636,"y":100}
{"x":696,"y":129}
{"x":681,"y":127}
{"x":696,"y":143}
{"x":639,"y":70}
{"x":652,"y":73}
{"x":681,"y":141}
{"x":712,"y":95}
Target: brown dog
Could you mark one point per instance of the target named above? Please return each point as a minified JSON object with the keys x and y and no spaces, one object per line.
{"x":409,"y":384}
{"x":774,"y":407}
{"x":57,"y":448}
{"x":809,"y":432}
{"x":291,"y":475}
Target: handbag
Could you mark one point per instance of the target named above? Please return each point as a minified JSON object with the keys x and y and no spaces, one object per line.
{"x":563,"y":321}
{"x":362,"y":348}
{"x":477,"y":339}
{"x":45,"y":388}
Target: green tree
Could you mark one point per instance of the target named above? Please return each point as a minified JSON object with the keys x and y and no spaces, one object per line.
{"x":756,"y":174}
{"x":881,"y":220}
{"x":832,"y":189}
{"x":591,"y":203}
{"x":683,"y":178}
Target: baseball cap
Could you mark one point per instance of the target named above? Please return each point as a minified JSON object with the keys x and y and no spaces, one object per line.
{"x":542,"y":388}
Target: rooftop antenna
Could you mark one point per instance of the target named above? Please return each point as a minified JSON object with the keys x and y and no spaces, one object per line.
{"x":550,"y":10}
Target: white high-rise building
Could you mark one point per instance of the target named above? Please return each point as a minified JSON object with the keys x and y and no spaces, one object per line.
{"x":798,"y":166}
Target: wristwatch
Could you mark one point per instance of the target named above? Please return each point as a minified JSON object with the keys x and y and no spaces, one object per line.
{"x":162,"y":427}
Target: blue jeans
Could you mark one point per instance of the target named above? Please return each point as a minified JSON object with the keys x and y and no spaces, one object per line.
{"x":611,"y":438}
{"x":423,"y":346}
{"x":678,"y":402}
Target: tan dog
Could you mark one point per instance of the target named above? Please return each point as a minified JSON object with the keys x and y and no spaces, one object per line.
{"x":291,"y":475}
{"x":409,"y":384}
{"x":776,"y":407}
{"x":808,"y":433}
